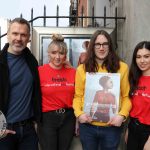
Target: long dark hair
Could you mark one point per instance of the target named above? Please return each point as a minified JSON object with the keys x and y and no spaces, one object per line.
{"x":112,"y":60}
{"x":134,"y":72}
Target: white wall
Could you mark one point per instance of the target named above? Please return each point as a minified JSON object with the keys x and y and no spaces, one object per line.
{"x":99,"y":10}
{"x":3,"y":26}
{"x":137,"y":25}
{"x":134,"y":29}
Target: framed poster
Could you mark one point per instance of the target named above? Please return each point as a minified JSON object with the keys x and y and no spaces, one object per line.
{"x":102,"y":92}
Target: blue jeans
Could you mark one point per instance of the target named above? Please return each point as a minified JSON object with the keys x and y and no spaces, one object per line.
{"x":24,"y":139}
{"x":95,"y":137}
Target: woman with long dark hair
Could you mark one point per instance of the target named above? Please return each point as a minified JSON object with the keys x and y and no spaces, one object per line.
{"x":139,"y":78}
{"x":101,"y":57}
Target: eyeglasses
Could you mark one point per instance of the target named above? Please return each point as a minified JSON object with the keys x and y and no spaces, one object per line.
{"x":104,"y":45}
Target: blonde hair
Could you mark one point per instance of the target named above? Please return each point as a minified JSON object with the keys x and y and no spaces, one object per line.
{"x":58,"y":39}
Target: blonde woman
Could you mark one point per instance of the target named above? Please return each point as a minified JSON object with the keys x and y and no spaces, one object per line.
{"x":57,"y":87}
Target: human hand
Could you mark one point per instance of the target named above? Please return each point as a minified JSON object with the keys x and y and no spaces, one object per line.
{"x":3,"y":124}
{"x":147,"y":144}
{"x":85,"y":118}
{"x":6,"y":132}
{"x":67,"y":64}
{"x":116,"y":120}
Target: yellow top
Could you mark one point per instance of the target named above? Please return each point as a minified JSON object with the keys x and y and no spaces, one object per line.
{"x":124,"y":103}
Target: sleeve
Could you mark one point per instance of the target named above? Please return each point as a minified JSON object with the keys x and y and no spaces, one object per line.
{"x":125,"y":103}
{"x":79,"y":91}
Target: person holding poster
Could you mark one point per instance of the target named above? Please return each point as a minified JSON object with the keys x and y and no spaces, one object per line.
{"x":101,"y":57}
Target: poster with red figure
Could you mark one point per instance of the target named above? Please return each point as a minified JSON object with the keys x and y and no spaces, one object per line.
{"x":102,"y":92}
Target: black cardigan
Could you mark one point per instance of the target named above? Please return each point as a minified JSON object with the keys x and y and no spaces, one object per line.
{"x":4,"y":82}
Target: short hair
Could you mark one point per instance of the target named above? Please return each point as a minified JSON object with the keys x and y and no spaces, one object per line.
{"x":103,"y":80}
{"x":20,"y":21}
{"x":85,"y":44}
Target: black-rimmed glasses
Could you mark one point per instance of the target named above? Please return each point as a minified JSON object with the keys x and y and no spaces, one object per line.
{"x":104,"y":45}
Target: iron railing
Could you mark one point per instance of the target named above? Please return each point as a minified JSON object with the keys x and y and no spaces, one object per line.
{"x":73,"y":20}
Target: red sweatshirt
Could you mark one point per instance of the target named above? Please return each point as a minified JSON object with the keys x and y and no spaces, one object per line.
{"x":141,"y":101}
{"x":57,"y":87}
